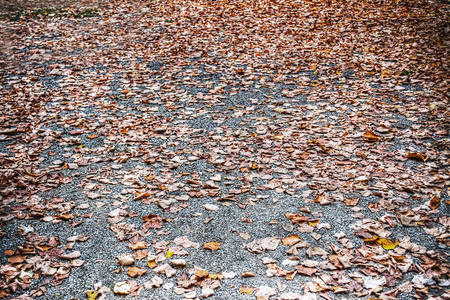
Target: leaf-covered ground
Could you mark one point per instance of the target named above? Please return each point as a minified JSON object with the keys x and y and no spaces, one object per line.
{"x":225,"y":149}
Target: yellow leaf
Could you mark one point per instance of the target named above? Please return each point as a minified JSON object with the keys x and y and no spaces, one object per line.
{"x":91,"y":294}
{"x":313,"y":223}
{"x":278,"y":137}
{"x":372,"y":239}
{"x":151,"y":263}
{"x":169,"y":254}
{"x":387,"y":244}
{"x":246,"y":290}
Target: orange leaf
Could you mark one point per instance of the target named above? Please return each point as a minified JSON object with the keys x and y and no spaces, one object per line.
{"x":371,"y":136}
{"x":434,"y":202}
{"x":418,"y":156}
{"x":291,"y":240}
{"x":248,"y":274}
{"x":17,"y":259}
{"x":151,"y":263}
{"x":3,"y":294}
{"x":136,"y":271}
{"x":201,"y":274}
{"x":211,"y":246}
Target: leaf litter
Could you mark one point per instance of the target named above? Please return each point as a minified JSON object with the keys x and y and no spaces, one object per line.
{"x":319,"y":130}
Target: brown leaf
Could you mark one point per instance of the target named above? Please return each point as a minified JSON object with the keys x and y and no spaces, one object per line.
{"x":140,"y":254}
{"x":17,"y":259}
{"x":305,"y":270}
{"x":297,"y":218}
{"x":351,"y":201}
{"x":152,"y":221}
{"x":142,"y":195}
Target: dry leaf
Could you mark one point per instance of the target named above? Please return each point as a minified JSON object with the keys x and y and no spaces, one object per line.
{"x":417,"y":156}
{"x":126,"y":260}
{"x":248,"y":274}
{"x":246,"y":290}
{"x":371,"y":136}
{"x":122,"y":288}
{"x":211,"y":246}
{"x":136,"y":271}
{"x":291,"y":240}
{"x":138,"y":246}
{"x":434,"y":202}
{"x":387,"y":244}
{"x":305,"y":270}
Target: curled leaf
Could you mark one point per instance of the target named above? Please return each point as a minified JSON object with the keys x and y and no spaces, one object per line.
{"x":126,"y":260}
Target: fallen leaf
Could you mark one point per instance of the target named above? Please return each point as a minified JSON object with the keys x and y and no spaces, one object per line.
{"x":201,"y":274}
{"x":434,"y":202}
{"x":291,"y":240}
{"x":138,"y":246}
{"x":91,"y":294}
{"x":126,"y":260}
{"x":259,"y":245}
{"x":371,"y":136}
{"x":248,"y":274}
{"x":122,"y":288}
{"x":211,"y":246}
{"x":210,"y":207}
{"x":417,"y":156}
{"x":351,"y":201}
{"x":305,"y":270}
{"x":246,"y":290}
{"x":387,"y":244}
{"x":136,"y":271}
